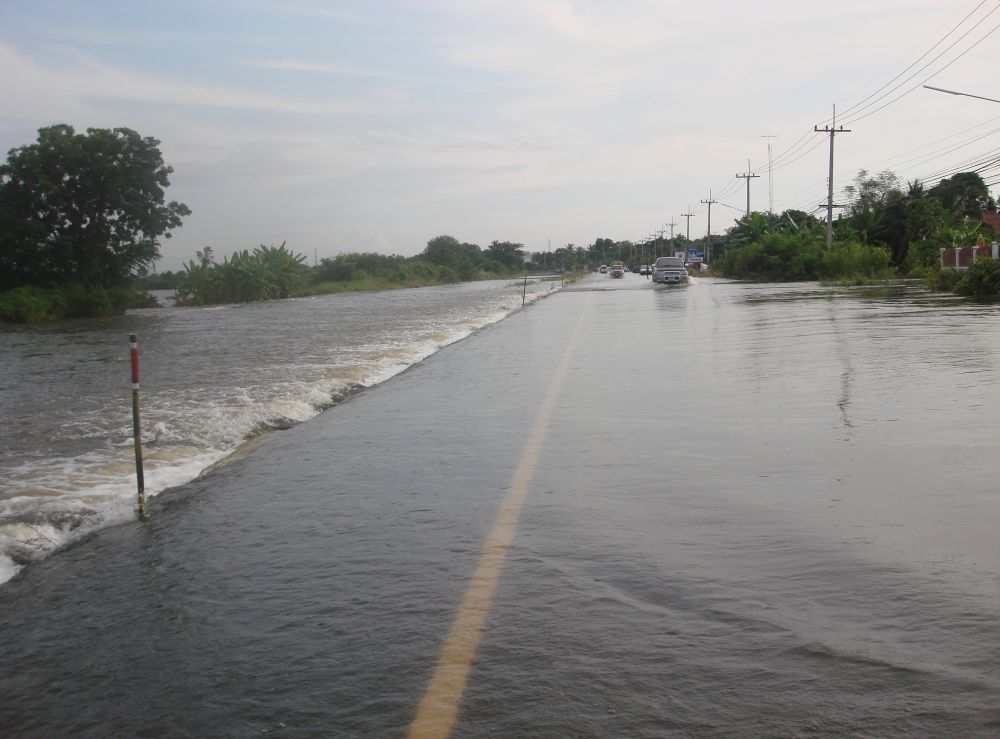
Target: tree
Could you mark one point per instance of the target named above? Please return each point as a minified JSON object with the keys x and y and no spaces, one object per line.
{"x":83,"y":208}
{"x":963,"y":194}
{"x":507,"y":253}
{"x":869,"y":196}
{"x":206,"y":257}
{"x":446,"y":251}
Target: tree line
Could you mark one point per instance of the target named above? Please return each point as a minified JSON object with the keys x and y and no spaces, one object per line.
{"x":82,"y":216}
{"x":270,"y":272}
{"x":886,"y":231}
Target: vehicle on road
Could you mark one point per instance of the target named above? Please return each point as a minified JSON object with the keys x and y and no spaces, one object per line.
{"x":645,"y":269}
{"x":617,"y":269}
{"x":670,"y":271}
{"x":604,"y":269}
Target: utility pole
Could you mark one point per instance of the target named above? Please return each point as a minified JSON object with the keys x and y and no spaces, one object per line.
{"x":687,"y":216}
{"x":708,"y":245}
{"x":747,"y":176}
{"x":770,"y":176}
{"x":832,"y":130}
{"x":671,"y":224}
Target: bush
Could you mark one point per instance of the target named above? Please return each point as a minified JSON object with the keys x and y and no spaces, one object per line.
{"x":30,"y":304}
{"x":775,"y":258}
{"x":944,"y":280}
{"x":922,"y":254}
{"x":267,"y":273}
{"x":799,"y":257}
{"x":855,"y":262}
{"x":981,"y":282}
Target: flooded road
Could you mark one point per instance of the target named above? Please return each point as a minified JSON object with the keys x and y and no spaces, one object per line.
{"x":720,"y":510}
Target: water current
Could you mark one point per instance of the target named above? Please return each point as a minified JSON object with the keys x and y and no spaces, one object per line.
{"x":212,"y":378}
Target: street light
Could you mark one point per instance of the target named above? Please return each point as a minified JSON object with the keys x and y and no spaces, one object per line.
{"x":964,"y":94}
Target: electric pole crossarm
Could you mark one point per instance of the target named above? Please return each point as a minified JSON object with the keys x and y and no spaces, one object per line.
{"x":708,"y":241}
{"x":747,"y":176}
{"x":832,"y":130}
{"x":687,"y":217}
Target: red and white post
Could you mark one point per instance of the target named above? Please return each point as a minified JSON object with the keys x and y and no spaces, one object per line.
{"x":133,"y":345}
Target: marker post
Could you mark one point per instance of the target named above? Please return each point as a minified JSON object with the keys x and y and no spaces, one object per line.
{"x":133,"y":344}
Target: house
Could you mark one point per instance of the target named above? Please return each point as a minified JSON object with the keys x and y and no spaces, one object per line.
{"x":993,"y":221}
{"x":961,"y":258}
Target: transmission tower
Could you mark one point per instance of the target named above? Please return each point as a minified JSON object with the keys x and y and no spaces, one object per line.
{"x":770,"y":175}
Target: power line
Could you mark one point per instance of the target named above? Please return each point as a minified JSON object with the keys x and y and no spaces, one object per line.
{"x":912,"y":64}
{"x":915,"y":47}
{"x":917,"y":86}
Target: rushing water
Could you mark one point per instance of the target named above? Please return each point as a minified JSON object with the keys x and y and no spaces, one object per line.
{"x":212,"y":378}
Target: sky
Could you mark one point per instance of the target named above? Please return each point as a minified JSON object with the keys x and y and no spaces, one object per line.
{"x":375,"y":126}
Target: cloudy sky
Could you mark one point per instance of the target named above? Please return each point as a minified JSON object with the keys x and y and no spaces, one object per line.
{"x":375,"y":126}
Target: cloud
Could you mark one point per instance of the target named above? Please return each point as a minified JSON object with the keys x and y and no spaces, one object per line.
{"x":77,"y":80}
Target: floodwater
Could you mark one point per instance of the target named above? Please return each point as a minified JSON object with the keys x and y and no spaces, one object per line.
{"x":211,"y":378}
{"x":753,"y":510}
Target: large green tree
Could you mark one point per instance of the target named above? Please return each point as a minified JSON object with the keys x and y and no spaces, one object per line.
{"x":463,"y":258}
{"x":507,"y":253}
{"x":964,"y":194}
{"x":83,"y":208}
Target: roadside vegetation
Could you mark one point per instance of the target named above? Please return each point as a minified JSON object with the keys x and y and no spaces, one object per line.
{"x":82,"y":216}
{"x":270,"y":272}
{"x":885,"y":233}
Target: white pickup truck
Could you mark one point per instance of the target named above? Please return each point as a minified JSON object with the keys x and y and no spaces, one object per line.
{"x":670,"y":271}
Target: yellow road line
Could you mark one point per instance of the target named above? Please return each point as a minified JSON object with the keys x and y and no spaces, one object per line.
{"x":438,"y":709}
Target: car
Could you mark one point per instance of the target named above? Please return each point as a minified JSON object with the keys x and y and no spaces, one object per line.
{"x":670,"y":271}
{"x":617,"y":269}
{"x":604,"y":269}
{"x":645,"y":269}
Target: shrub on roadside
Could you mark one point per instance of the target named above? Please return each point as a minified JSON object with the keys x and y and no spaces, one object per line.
{"x":944,"y":280}
{"x":854,"y":262}
{"x":981,"y":281}
{"x":266,"y":273}
{"x":802,"y":256}
{"x":31,"y":304}
{"x":922,"y":255}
